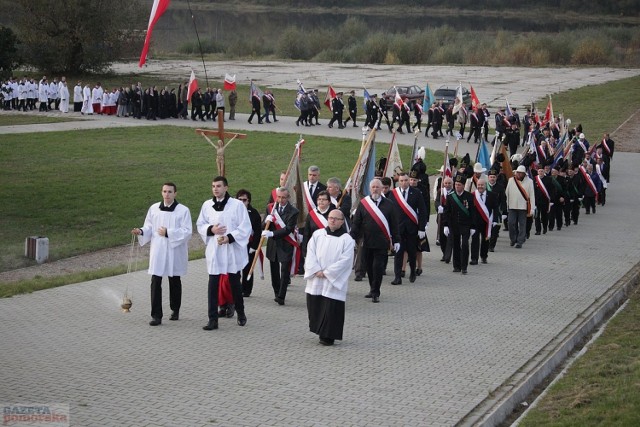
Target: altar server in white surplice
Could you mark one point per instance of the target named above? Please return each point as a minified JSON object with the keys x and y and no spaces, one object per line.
{"x":168,"y":227}
{"x":327,"y":268}
{"x":225,"y":227}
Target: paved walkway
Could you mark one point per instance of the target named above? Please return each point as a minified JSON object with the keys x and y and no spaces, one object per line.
{"x":446,"y":350}
{"x":436,"y":352}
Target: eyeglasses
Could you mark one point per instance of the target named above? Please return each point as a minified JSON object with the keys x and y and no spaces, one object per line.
{"x":331,"y":218}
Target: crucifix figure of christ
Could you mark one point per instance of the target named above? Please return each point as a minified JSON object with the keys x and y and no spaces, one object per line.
{"x":220,"y":146}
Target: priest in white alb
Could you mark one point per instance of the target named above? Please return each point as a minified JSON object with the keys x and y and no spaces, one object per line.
{"x":327,"y":268}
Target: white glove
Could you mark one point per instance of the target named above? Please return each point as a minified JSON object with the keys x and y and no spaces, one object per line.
{"x":396,"y":247}
{"x":421,"y":235}
{"x":504,"y":217}
{"x":446,"y":231}
{"x":267,"y":233}
{"x":550,"y":204}
{"x":440,"y":209}
{"x":495,"y":224}
{"x":473,"y":232}
{"x":268,"y":218}
{"x":251,"y":250}
{"x":580,"y":198}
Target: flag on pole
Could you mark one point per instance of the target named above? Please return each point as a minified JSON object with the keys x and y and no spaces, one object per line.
{"x":331,"y":94}
{"x":299,"y":95}
{"x":393,"y":158}
{"x":475,"y":102}
{"x":158,"y":8}
{"x":293,"y":183}
{"x":254,"y":90}
{"x":457,"y":103}
{"x":193,"y":85}
{"x":367,"y":98}
{"x":398,"y":100}
{"x":548,"y":113}
{"x":506,"y":163}
{"x":484,"y":158}
{"x":507,"y":109}
{"x":429,"y":99}
{"x":229,"y":82}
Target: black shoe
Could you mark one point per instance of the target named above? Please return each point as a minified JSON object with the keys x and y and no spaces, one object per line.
{"x":519,"y":246}
{"x":464,"y":271}
{"x":513,"y":243}
{"x":358,"y":278}
{"x":340,"y":127}
{"x":242,"y":319}
{"x":544,"y":231}
{"x":246,"y":294}
{"x":537,"y":233}
{"x":484,"y":260}
{"x":492,"y":250}
{"x":280,"y":301}
{"x":456,"y":270}
{"x":174,"y":315}
{"x":368,"y":295}
{"x":222,"y":312}
{"x":442,"y":259}
{"x":155,"y":321}
{"x":396,"y":282}
{"x":326,"y":341}
{"x":213,"y":324}
{"x":473,"y":262}
{"x":375,"y":299}
{"x":418,"y":271}
{"x":412,"y":277}
{"x":231,"y":311}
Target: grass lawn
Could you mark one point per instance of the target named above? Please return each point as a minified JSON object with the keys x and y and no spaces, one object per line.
{"x":603,"y":387}
{"x":85,"y":190}
{"x":15,"y":119}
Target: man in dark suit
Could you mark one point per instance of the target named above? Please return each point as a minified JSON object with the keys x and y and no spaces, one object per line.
{"x":313,"y":185}
{"x":497,"y":187}
{"x":459,"y":220}
{"x":413,"y":217}
{"x":337,"y":107}
{"x":281,"y":242}
{"x":545,"y":195}
{"x":443,"y":189}
{"x":376,"y":222}
{"x":487,"y":217}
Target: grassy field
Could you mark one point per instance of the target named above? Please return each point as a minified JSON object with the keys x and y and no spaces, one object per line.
{"x":85,"y":190}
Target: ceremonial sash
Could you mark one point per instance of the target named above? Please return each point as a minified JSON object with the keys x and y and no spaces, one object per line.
{"x":606,"y":147}
{"x":542,"y":188}
{"x":291,"y":238}
{"x":307,"y":197}
{"x":590,"y":183}
{"x":377,"y":216}
{"x":455,"y":198}
{"x":524,"y":194}
{"x":581,"y":144}
{"x":541,"y":154}
{"x":319,"y":219}
{"x":484,"y":213}
{"x":406,"y":208}
{"x":599,"y":172}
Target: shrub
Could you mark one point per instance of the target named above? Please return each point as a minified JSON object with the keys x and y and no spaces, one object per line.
{"x":591,"y":52}
{"x":292,"y":44}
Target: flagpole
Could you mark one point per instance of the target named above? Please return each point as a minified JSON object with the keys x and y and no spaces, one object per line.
{"x":199,"y":44}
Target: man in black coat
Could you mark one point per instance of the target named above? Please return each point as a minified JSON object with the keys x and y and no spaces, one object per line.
{"x":497,"y":187}
{"x":413,"y":217}
{"x":352,"y":105}
{"x":337,"y":107}
{"x":376,"y":222}
{"x":487,"y":211}
{"x":281,"y":242}
{"x":545,"y":195}
{"x":254,"y":240}
{"x":459,"y":219}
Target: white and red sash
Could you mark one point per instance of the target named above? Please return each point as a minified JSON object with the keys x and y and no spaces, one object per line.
{"x":524,"y":194}
{"x":311,"y":206}
{"x":406,"y":208}
{"x":377,"y":216}
{"x":606,"y":147}
{"x":318,"y":219}
{"x":419,"y":110}
{"x":291,"y":238}
{"x":484,"y":213}
{"x":581,"y":144}
{"x":590,"y":183}
{"x":544,"y":191}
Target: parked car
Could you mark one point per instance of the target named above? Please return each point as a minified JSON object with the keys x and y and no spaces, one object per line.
{"x":448,"y":95}
{"x":411,"y":92}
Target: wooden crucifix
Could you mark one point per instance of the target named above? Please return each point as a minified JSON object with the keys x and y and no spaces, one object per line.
{"x":220,"y":146}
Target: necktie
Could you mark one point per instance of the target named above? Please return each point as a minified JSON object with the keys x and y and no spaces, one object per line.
{"x":311,"y":189}
{"x":404,"y":194}
{"x":482,"y":197}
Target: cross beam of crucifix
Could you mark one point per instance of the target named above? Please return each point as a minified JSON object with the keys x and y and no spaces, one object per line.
{"x":220,"y":146}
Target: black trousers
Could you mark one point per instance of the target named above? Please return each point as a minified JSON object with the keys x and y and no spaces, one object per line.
{"x":589,"y":203}
{"x":280,"y":277}
{"x":495,"y":233}
{"x":408,"y":244}
{"x":542,"y":218}
{"x":375,"y":261}
{"x":175,"y":295}
{"x":555,"y":216}
{"x":479,"y":245}
{"x":460,"y":244}
{"x":236,"y":291}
